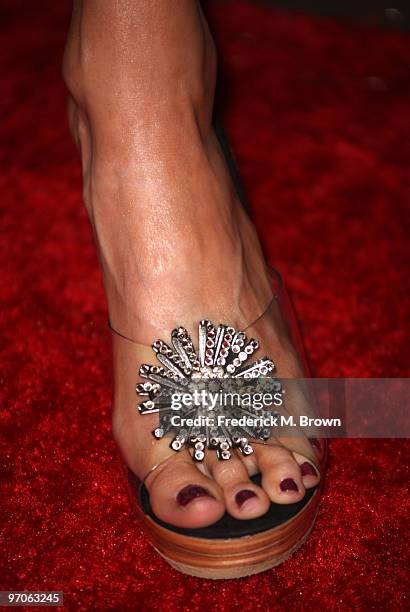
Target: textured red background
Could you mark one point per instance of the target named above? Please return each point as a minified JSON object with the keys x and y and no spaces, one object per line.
{"x":319,"y":117}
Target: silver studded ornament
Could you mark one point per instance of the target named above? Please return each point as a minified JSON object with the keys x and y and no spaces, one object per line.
{"x":218,"y":370}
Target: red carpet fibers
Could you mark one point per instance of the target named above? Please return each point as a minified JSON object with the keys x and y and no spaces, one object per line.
{"x":319,"y":116}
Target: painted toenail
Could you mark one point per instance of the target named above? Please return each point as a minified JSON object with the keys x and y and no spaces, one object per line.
{"x":190,"y":492}
{"x":288,"y":484}
{"x":307,"y":469}
{"x":243,"y":496}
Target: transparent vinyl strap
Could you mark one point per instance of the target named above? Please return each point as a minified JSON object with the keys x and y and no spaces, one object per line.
{"x":272,"y":331}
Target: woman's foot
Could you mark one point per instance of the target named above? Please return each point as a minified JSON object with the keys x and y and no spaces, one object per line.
{"x":174,"y":243}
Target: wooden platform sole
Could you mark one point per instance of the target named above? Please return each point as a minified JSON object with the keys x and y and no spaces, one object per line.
{"x":233,"y":558}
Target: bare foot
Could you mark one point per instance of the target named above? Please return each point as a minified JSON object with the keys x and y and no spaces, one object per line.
{"x":174,"y":243}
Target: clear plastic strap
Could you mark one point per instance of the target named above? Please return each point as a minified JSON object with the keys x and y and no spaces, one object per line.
{"x":274,"y":297}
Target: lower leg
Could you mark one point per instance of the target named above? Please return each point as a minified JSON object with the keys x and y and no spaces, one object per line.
{"x":155,"y":184}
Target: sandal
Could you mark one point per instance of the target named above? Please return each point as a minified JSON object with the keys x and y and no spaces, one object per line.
{"x":224,"y":359}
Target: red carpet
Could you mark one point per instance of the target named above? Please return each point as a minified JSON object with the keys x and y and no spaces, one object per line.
{"x":319,"y":116}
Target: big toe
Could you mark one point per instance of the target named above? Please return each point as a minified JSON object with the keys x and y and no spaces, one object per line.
{"x":182,"y":496}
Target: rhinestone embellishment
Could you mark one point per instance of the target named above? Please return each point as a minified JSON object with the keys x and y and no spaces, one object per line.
{"x":220,"y":367}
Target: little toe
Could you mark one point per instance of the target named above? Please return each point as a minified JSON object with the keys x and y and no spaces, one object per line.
{"x":310,"y":474}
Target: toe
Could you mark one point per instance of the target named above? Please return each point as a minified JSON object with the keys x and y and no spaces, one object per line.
{"x":309,"y":473}
{"x":243,"y":499}
{"x":182,"y":496}
{"x":281,"y":475}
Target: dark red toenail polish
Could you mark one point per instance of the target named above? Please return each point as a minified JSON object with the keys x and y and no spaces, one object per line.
{"x":288,"y":485}
{"x":190,"y":492}
{"x":243,"y":496}
{"x":307,"y":469}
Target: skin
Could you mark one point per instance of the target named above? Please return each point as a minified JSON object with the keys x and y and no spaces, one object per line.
{"x":174,"y":243}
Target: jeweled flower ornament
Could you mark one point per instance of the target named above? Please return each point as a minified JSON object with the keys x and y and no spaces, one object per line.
{"x":210,"y":398}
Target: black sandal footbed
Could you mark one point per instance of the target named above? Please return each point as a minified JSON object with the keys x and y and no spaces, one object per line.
{"x":227,"y":527}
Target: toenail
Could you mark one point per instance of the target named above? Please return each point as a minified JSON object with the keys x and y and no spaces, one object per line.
{"x":243,"y":496}
{"x":307,"y":469}
{"x":288,"y":484}
{"x":190,"y":492}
